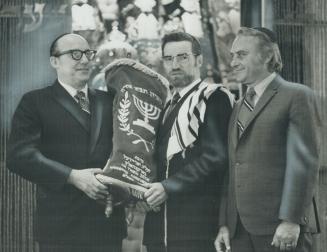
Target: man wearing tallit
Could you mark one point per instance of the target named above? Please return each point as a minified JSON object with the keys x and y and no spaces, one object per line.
{"x":191,"y":154}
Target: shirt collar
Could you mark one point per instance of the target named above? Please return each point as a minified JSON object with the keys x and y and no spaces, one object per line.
{"x":261,"y":87}
{"x":72,"y":91}
{"x":184,"y":90}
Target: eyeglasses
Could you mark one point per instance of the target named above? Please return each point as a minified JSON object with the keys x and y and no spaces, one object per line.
{"x":180,"y":58}
{"x":78,"y":54}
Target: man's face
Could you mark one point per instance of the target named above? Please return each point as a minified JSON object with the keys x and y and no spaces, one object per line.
{"x":247,"y":63}
{"x":182,"y":67}
{"x":72,"y":72}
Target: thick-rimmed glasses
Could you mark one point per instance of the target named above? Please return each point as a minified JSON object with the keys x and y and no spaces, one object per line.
{"x":180,"y":58}
{"x":78,"y":54}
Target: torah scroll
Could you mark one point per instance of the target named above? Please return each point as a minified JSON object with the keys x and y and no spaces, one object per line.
{"x":137,"y":112}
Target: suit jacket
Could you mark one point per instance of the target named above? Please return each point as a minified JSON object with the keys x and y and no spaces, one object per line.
{"x":194,"y":178}
{"x":273,"y":166}
{"x":50,"y":136}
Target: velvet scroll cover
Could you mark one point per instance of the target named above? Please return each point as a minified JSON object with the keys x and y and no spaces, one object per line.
{"x":140,"y":96}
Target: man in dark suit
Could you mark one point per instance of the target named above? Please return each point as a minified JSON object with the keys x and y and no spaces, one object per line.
{"x":60,"y":138}
{"x":192,"y":154}
{"x":273,"y":154}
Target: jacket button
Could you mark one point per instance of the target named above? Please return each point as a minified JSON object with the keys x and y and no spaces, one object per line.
{"x":305,"y":219}
{"x":237,"y":164}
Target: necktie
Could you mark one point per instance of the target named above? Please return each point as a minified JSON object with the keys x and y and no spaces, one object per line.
{"x":246,"y":110}
{"x":173,"y":102}
{"x":82,"y":101}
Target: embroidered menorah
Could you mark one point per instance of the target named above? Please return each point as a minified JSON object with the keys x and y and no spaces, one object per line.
{"x":149,"y":111}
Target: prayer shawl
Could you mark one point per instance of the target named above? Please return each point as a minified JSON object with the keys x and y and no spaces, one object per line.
{"x":190,"y":116}
{"x":186,"y":126}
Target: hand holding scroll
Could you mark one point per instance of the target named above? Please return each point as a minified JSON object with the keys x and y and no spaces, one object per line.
{"x":155,"y":195}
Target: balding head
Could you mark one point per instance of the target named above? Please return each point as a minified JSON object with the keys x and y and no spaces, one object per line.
{"x":54,"y":45}
{"x":71,"y":70}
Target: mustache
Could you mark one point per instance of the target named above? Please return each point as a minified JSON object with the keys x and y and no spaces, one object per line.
{"x":176,"y":71}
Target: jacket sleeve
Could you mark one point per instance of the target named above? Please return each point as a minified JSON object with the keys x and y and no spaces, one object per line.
{"x":302,"y":157}
{"x":23,"y":151}
{"x":212,"y":143}
{"x":222,"y":219}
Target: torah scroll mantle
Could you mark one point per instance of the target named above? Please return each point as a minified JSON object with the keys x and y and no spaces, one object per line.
{"x":140,"y":96}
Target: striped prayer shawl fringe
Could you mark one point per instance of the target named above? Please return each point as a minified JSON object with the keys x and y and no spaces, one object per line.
{"x":190,"y":116}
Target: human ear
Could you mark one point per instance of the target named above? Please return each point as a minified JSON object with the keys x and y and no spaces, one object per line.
{"x":199,"y":60}
{"x":54,"y":61}
{"x":266,"y":56}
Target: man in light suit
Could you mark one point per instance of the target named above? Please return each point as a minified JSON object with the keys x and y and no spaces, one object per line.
{"x":60,"y":138}
{"x":191,"y":154}
{"x":273,"y":154}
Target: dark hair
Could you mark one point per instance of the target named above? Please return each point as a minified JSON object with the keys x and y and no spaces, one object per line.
{"x":54,"y":44}
{"x":181,"y":36}
{"x":269,"y":33}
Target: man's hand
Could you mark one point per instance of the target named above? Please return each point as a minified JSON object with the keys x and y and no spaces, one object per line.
{"x":143,"y":207}
{"x":85,"y":181}
{"x":222,"y":243}
{"x":155,"y":195}
{"x":286,"y":236}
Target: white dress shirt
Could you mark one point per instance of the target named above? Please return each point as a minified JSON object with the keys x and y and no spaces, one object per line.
{"x":184,"y":90}
{"x":73,"y":91}
{"x":261,"y":87}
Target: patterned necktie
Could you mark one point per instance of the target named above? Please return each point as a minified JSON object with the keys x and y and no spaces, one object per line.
{"x":82,"y":101}
{"x":173,"y":102}
{"x":246,"y":110}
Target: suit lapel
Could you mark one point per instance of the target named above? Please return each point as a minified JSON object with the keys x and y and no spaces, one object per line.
{"x":164,"y":112}
{"x":263,"y":101}
{"x":97,"y":107}
{"x":232,"y":128}
{"x":68,"y":102}
{"x":170,"y":119}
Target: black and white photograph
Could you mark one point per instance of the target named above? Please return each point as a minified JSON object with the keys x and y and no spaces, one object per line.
{"x":163,"y":125}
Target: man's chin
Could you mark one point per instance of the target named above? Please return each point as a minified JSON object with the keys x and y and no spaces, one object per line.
{"x":84,"y":76}
{"x":180,"y":80}
{"x":83,"y":79}
{"x":178,"y":83}
{"x":239,"y":79}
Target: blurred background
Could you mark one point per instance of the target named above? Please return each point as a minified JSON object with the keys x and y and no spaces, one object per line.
{"x":133,"y":29}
